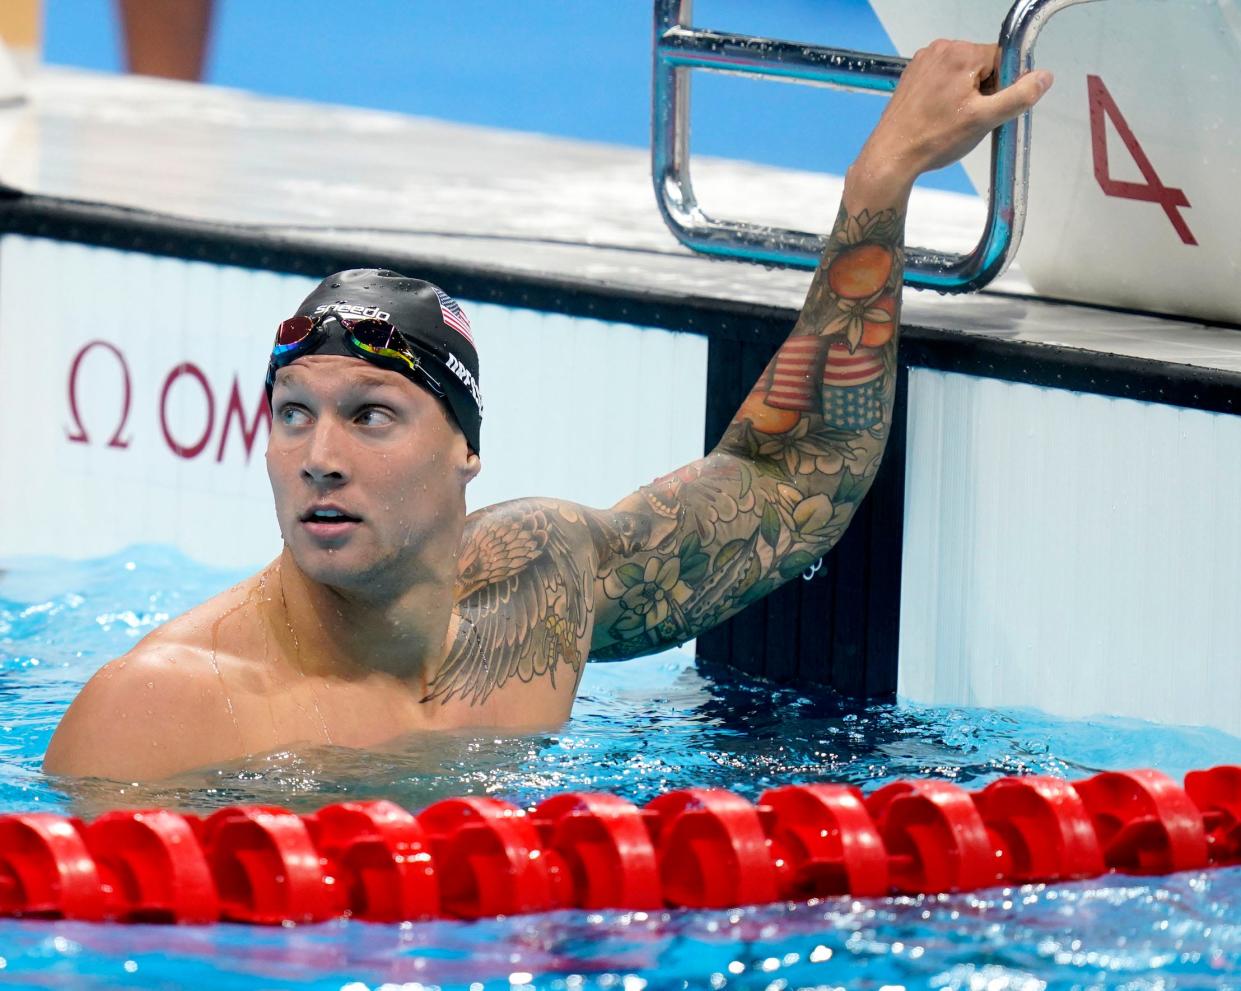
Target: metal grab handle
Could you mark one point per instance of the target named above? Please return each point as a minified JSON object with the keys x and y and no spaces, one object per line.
{"x":679,"y":47}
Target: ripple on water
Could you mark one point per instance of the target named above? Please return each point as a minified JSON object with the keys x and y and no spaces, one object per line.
{"x":640,"y":728}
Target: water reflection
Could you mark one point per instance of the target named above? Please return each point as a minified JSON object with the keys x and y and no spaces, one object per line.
{"x":1178,"y":932}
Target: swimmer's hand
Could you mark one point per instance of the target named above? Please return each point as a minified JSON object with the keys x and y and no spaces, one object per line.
{"x":943,"y":107}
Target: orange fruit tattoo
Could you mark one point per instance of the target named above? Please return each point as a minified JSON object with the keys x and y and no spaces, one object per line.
{"x":860,"y":271}
{"x":875,"y":333}
{"x":767,"y":419}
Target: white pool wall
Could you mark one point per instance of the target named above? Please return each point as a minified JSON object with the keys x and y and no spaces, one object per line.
{"x":576,"y":408}
{"x":1072,"y":552}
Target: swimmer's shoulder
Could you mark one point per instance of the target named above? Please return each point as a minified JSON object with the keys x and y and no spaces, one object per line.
{"x":525,"y":573}
{"x":149,"y":714}
{"x":524,"y":540}
{"x":219,"y":623}
{"x":167,"y":705}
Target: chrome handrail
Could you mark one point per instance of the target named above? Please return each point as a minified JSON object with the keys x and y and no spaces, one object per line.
{"x":679,"y":47}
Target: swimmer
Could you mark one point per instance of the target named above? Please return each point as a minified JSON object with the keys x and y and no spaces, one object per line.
{"x":390,"y":611}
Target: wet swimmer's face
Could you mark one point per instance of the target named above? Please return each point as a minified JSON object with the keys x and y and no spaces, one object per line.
{"x":367,"y":469}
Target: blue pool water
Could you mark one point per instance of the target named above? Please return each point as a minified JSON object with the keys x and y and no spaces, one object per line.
{"x":640,"y":728}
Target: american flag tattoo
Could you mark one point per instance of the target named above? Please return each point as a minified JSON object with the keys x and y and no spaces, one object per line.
{"x":793,"y":384}
{"x":853,"y":393}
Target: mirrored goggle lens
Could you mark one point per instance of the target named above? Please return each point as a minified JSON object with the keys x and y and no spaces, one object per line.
{"x":293,"y":331}
{"x":382,"y":338}
{"x":376,"y":335}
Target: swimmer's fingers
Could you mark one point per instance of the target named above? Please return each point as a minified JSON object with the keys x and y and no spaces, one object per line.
{"x":990,"y":107}
{"x":943,"y":107}
{"x":1002,"y":106}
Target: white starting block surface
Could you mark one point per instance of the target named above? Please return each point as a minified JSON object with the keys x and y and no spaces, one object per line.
{"x":163,"y":415}
{"x":1135,"y":156}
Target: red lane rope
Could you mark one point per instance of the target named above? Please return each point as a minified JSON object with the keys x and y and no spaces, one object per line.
{"x":468,"y":858}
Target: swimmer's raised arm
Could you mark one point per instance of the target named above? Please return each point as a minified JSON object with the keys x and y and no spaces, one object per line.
{"x":696,"y":546}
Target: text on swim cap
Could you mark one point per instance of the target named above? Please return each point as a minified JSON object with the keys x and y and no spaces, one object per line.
{"x":467,"y":379}
{"x":353,"y":310}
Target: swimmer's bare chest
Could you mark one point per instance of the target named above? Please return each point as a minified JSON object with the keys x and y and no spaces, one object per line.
{"x":519,"y":639}
{"x":257,"y":705}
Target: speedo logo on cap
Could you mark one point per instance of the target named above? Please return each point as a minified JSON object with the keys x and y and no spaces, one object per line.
{"x":467,"y":379}
{"x":353,"y":310}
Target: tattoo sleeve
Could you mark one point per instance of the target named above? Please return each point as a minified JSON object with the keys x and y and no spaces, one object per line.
{"x":696,"y":546}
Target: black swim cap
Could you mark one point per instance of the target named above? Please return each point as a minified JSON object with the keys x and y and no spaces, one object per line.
{"x":427,"y":316}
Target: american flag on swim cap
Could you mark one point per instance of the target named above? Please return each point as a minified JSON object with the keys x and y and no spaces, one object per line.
{"x":453,"y":315}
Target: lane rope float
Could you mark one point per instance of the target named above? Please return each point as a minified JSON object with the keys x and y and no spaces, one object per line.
{"x":474,"y":857}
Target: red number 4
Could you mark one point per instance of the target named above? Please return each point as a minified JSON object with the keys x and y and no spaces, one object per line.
{"x":1154,"y":191}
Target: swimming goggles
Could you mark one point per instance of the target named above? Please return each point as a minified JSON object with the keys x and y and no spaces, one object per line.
{"x":371,"y":339}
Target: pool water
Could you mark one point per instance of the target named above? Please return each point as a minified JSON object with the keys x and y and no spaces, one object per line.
{"x":640,"y":728}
